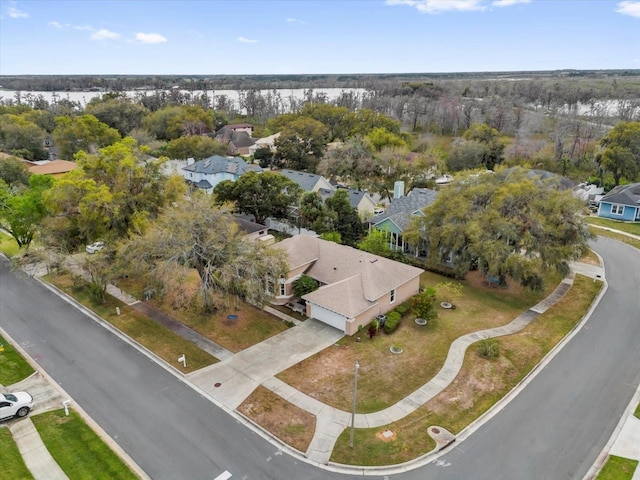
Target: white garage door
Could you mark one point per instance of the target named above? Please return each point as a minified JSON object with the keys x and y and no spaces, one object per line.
{"x":328,"y":317}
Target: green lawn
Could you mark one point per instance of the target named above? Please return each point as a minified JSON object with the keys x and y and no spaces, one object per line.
{"x":616,"y":236}
{"x":77,"y":448}
{"x":633,"y":228}
{"x":11,"y":463}
{"x":617,"y":468}
{"x":8,"y":245}
{"x":13,"y":368}
{"x":637,"y":412}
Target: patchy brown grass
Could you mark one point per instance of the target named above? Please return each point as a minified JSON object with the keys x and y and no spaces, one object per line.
{"x":157,"y":338}
{"x":478,"y":386}
{"x":590,"y":258}
{"x":251,"y":326}
{"x":385,"y":378}
{"x":289,"y":423}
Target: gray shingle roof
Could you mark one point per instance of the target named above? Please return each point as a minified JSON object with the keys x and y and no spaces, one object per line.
{"x":624,"y":195}
{"x":355,"y":196}
{"x":307,"y":181}
{"x":217,"y":164}
{"x":402,"y":209}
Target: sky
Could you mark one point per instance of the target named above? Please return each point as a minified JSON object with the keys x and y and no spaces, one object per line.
{"x":244,"y":37}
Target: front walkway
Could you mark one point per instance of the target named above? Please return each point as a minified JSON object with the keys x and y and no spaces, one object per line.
{"x":34,"y":453}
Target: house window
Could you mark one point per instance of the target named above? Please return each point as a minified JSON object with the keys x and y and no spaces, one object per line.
{"x":617,"y":209}
{"x":283,"y":286}
{"x":392,"y":296}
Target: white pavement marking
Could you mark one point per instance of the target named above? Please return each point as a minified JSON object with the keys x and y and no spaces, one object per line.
{"x":223,"y":476}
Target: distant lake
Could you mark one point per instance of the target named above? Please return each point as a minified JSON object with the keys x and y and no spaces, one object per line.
{"x":232,"y":95}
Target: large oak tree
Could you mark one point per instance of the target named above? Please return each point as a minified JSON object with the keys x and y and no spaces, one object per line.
{"x":503,"y":225}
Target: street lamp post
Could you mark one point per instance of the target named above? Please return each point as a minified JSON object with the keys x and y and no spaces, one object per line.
{"x":353,"y":409}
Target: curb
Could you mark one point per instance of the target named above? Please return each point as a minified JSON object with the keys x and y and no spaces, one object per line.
{"x":604,"y":454}
{"x":111,"y":443}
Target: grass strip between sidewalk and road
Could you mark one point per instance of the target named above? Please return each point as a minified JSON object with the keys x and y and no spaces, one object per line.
{"x":627,"y":227}
{"x":77,"y":449}
{"x":478,"y":386}
{"x":13,"y":367}
{"x":617,"y":468}
{"x":637,"y":412}
{"x":11,"y":463}
{"x":634,"y":242}
{"x":8,"y":245}
{"x":153,"y":336}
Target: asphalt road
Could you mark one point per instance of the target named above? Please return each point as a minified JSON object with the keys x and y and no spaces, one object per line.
{"x":554,"y":429}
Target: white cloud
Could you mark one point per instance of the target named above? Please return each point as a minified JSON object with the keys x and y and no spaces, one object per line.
{"x":294,"y":20}
{"x":629,"y":8}
{"x":150,"y":38}
{"x":64,"y":26}
{"x":508,"y":3}
{"x":104,"y":34}
{"x":246,"y":40}
{"x":15,"y":13}
{"x":435,"y":6}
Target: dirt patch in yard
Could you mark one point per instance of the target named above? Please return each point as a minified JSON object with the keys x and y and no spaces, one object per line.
{"x":289,"y":423}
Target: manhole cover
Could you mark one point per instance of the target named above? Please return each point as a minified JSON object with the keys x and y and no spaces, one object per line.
{"x":217,"y":384}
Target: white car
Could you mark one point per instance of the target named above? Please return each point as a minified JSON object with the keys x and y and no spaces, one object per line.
{"x":16,"y":404}
{"x":95,"y":247}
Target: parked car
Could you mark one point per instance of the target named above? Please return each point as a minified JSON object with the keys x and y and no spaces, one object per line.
{"x":16,"y":404}
{"x":95,"y":247}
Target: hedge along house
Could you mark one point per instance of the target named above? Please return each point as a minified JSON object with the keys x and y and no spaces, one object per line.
{"x":621,"y":203}
{"x":355,"y":286}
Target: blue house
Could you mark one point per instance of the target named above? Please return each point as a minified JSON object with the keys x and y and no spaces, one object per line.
{"x":621,"y":203}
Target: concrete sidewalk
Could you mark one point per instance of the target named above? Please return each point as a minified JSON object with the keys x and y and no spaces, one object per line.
{"x":233,"y":380}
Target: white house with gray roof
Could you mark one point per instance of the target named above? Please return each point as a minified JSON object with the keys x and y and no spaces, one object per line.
{"x":355,"y":286}
{"x":207,"y":173}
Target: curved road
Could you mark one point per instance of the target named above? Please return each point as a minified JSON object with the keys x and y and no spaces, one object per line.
{"x":554,"y":429}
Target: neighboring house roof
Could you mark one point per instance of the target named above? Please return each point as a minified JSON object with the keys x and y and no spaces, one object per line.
{"x":225,"y":134}
{"x":587,"y":191}
{"x":217,"y":164}
{"x":352,"y":279}
{"x":54,"y":167}
{"x":401,"y":209}
{"x":204,"y":184}
{"x":247,"y":226}
{"x":309,"y":182}
{"x":563,"y":183}
{"x":241,"y":140}
{"x":355,"y":196}
{"x":267,"y":141}
{"x":624,"y":195}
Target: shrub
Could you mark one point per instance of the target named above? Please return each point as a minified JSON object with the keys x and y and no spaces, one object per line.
{"x":393,"y":320}
{"x":402,"y":308}
{"x":489,"y":348}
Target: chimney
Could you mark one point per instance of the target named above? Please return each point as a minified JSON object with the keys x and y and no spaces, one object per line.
{"x":398,"y":189}
{"x":191,"y":161}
